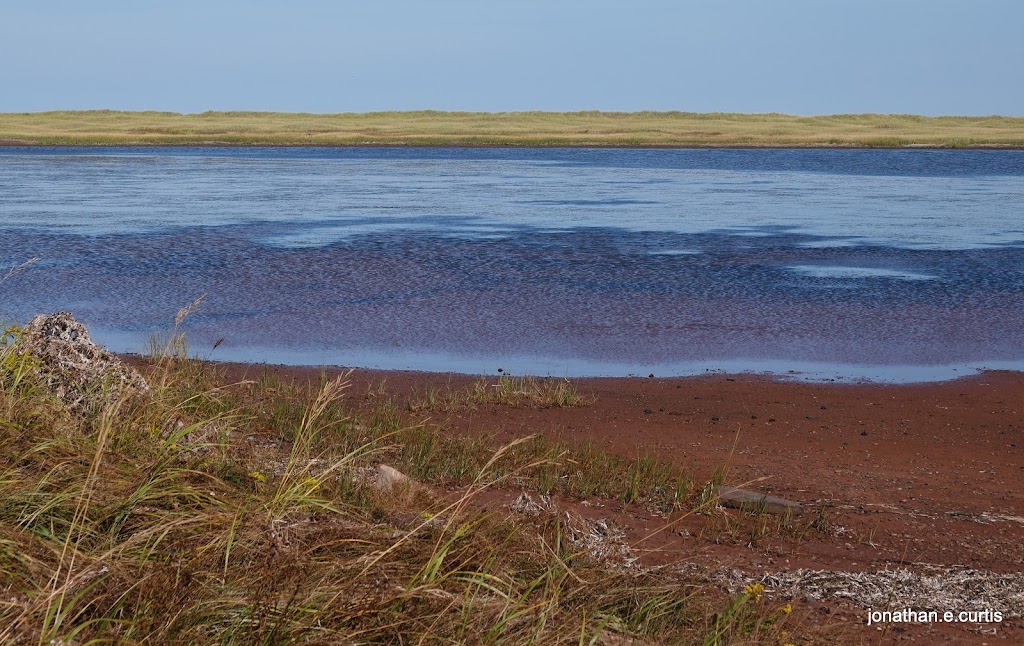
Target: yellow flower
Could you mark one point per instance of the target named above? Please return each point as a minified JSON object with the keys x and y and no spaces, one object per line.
{"x":174,"y":447}
{"x":257,"y":476}
{"x":754,"y":589}
{"x":788,"y":608}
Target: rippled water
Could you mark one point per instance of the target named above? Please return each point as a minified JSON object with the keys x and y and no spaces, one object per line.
{"x":891,"y":265}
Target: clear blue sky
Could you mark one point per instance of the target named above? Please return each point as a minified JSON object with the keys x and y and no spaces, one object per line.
{"x":799,"y":56}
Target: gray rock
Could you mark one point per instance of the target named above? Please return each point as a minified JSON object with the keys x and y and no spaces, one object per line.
{"x":389,"y":477}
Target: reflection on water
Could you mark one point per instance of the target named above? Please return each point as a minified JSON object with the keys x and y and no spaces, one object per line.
{"x":824,"y":271}
{"x":891,"y":265}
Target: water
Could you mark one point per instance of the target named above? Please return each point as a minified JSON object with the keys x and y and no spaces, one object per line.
{"x":854,"y":264}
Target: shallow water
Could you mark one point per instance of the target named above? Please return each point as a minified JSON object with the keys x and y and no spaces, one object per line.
{"x":854,"y":264}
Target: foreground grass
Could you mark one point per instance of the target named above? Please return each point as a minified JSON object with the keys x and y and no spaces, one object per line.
{"x":428,"y":128}
{"x":206,"y":512}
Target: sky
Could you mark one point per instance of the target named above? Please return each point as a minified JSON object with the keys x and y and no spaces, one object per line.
{"x":797,"y":56}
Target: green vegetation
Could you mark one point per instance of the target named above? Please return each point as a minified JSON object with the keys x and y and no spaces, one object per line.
{"x":203,"y":511}
{"x":507,"y":391}
{"x":431,"y":128}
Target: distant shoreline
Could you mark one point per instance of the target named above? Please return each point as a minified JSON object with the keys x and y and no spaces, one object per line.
{"x":510,"y":130}
{"x":228,"y":144}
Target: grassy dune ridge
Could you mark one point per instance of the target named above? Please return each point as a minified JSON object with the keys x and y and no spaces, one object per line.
{"x":434,"y":128}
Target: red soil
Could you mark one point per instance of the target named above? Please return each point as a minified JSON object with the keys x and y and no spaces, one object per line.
{"x":908,"y":474}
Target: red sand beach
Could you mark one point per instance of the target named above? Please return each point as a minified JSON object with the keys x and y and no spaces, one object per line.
{"x":907,"y":476}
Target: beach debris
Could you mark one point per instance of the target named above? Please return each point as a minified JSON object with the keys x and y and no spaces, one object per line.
{"x":987,"y":518}
{"x":754,"y":501}
{"x":601,"y":539}
{"x":74,"y":368}
{"x":926,"y":587}
{"x":527,"y":506}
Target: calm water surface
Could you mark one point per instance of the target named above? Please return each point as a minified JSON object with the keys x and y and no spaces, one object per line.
{"x":888,"y":265}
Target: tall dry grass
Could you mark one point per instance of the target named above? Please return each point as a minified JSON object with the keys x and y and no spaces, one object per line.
{"x":212,"y":512}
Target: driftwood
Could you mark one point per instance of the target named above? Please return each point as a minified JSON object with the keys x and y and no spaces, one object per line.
{"x":754,"y":501}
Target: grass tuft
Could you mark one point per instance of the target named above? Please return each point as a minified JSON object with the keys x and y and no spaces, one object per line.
{"x":507,"y":390}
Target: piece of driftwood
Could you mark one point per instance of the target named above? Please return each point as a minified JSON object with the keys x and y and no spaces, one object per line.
{"x":754,"y":501}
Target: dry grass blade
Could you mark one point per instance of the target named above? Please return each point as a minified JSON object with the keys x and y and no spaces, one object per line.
{"x":186,"y":311}
{"x":18,"y":268}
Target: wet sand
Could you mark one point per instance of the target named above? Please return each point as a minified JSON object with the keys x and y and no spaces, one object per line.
{"x":908,"y":475}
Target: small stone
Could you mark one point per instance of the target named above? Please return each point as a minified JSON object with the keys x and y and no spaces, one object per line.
{"x":389,"y":477}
